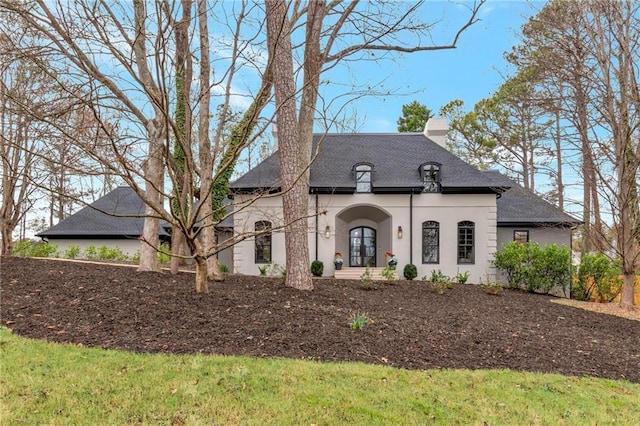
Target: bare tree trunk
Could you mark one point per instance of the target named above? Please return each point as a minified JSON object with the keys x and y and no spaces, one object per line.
{"x":202,"y":284}
{"x":153,"y":185}
{"x":154,"y":165}
{"x":182,"y":181}
{"x":295,"y":188}
{"x":177,"y":249}
{"x":559,"y":163}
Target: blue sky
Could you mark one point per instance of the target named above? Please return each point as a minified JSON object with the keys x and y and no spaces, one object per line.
{"x":471,"y":72}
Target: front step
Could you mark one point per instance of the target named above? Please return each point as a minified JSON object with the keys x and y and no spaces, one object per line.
{"x":356,"y":274}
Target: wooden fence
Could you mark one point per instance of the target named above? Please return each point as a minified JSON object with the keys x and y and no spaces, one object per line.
{"x":636,"y":293}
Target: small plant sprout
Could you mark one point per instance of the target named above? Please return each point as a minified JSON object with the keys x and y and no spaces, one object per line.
{"x":462,"y":277}
{"x":366,"y":280}
{"x":359,"y":320}
{"x":388,"y":273}
{"x":263,"y":270}
{"x":491,"y":286}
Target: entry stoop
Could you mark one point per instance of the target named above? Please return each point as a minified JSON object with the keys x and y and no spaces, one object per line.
{"x":356,"y":274}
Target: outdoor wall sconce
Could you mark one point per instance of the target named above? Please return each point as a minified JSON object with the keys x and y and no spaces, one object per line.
{"x":399,"y":231}
{"x":327,"y":232}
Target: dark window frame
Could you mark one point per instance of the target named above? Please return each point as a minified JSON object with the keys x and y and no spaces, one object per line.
{"x":431,"y":225}
{"x":515,"y":237}
{"x":466,"y":242}
{"x":430,"y":174}
{"x":263,"y":242}
{"x":362,"y":171}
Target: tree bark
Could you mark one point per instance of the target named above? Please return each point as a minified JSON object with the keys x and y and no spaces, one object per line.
{"x":292,"y":161}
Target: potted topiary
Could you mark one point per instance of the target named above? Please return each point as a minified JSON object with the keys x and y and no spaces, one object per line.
{"x":337,"y":261}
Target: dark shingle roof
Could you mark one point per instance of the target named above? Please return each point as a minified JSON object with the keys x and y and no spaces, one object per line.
{"x":519,"y":206}
{"x":117,"y":214}
{"x":396,"y":160}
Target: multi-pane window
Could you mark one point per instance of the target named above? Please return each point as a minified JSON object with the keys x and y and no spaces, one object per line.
{"x":363,"y":178}
{"x":431,"y":177}
{"x":430,"y":242}
{"x":521,"y":236}
{"x":465,"y":242}
{"x":263,"y":241}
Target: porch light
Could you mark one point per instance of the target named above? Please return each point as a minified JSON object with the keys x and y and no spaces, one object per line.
{"x":399,"y":231}
{"x":327,"y":232}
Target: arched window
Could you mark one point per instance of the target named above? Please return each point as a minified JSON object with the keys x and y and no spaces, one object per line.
{"x":263,"y":241}
{"x":363,"y":177}
{"x":430,"y":173}
{"x":430,"y":242}
{"x":466,"y":242}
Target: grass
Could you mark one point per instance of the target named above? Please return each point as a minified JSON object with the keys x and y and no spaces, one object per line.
{"x":55,"y":384}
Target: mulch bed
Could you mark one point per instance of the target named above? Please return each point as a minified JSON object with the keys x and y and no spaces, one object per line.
{"x":117,"y":307}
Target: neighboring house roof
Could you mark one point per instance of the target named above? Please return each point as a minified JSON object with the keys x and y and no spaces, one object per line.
{"x":520,"y":207}
{"x":396,"y":159}
{"x":117,"y":214}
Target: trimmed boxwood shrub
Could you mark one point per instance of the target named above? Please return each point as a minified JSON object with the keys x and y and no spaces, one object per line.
{"x":410,"y":271}
{"x":317,"y":267}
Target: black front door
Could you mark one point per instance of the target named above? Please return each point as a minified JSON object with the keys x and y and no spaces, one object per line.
{"x":362,"y":247}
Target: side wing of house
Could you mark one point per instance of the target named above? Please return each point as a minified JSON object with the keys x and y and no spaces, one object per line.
{"x":524,"y":216}
{"x":114,"y":221}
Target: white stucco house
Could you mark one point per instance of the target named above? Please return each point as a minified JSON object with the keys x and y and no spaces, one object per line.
{"x":403,"y":193}
{"x":370,"y":194}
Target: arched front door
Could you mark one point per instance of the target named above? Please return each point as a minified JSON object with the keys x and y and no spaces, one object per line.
{"x":362,"y":247}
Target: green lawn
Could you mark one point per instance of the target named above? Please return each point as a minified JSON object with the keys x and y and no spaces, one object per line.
{"x":44,"y":383}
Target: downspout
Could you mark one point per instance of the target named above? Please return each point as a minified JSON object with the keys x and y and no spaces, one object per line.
{"x":317,"y":230}
{"x":571,"y":229}
{"x":411,"y":227}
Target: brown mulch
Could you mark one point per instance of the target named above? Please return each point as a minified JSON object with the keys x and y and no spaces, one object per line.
{"x":412,"y":327}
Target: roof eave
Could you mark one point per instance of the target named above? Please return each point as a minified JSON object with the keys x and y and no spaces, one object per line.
{"x":538,"y":224}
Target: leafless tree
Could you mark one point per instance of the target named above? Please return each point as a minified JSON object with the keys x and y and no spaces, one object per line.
{"x":24,"y":89}
{"x":126,"y":61}
{"x":588,"y":54}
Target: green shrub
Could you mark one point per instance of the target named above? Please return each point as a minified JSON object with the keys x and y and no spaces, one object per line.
{"x":22,"y":248}
{"x":136,"y":257}
{"x":410,"y":271}
{"x":29,"y":248}
{"x":224,"y":268}
{"x":389,"y":273}
{"x":317,"y":268}
{"x":598,"y":277}
{"x":533,"y":268}
{"x":164,"y":253}
{"x":108,"y":253}
{"x":72,"y":252}
{"x":91,"y":252}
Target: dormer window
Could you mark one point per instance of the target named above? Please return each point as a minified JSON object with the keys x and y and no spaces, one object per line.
{"x":430,"y":177}
{"x":363,"y":177}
